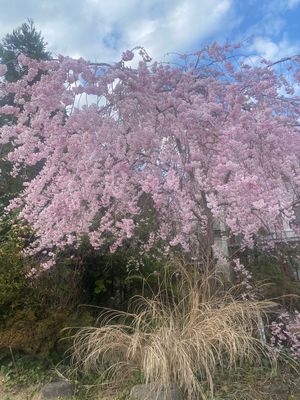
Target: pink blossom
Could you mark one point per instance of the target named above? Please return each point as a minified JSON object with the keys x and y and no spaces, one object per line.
{"x":3,"y":69}
{"x":286,"y":333}
{"x":8,"y":110}
{"x":127,"y":55}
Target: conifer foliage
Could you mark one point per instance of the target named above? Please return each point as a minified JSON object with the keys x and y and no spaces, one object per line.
{"x":23,"y":40}
{"x":28,"y":41}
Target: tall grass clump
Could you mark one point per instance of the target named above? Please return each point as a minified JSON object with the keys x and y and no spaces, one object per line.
{"x":181,"y":335}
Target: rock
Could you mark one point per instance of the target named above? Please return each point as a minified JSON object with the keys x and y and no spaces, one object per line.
{"x":144,"y":392}
{"x":55,"y":390}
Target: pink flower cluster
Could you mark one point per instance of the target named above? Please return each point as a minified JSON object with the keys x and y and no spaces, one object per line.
{"x":127,"y":55}
{"x":3,"y":70}
{"x":244,"y":279}
{"x":286,"y":333}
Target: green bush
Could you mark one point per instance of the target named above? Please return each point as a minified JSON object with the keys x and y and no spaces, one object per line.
{"x":276,"y":275}
{"x":32,"y":334}
{"x":33,"y":311}
{"x":110,"y":280}
{"x":14,"y":286}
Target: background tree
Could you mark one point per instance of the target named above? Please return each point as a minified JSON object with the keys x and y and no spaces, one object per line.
{"x":28,"y":41}
{"x":23,"y":40}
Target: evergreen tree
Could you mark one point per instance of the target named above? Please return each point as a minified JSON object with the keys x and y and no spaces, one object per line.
{"x":23,"y":40}
{"x":28,"y":41}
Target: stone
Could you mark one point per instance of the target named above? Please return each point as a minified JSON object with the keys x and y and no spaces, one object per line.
{"x":144,"y":392}
{"x":55,"y":390}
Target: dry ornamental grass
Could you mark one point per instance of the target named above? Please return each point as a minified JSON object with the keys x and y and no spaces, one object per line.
{"x":179,"y":336}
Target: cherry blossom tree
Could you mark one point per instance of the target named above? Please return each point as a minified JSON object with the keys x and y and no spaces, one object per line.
{"x":159,"y":153}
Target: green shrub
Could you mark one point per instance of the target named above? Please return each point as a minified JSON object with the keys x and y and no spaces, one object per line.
{"x":279,"y":283}
{"x":34,"y":311}
{"x":34,"y":334}
{"x":15,"y":289}
{"x":110,"y":280}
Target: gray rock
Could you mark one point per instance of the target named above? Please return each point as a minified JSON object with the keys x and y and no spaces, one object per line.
{"x":54,"y":390}
{"x":144,"y":392}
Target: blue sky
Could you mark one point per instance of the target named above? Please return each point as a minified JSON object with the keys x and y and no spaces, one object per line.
{"x":101,"y":30}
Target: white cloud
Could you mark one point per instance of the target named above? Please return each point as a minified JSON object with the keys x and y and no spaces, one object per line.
{"x":101,"y":29}
{"x":270,"y":50}
{"x":293,"y":3}
{"x":187,"y":23}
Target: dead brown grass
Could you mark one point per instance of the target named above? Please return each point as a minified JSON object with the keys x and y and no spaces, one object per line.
{"x":179,"y":336}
